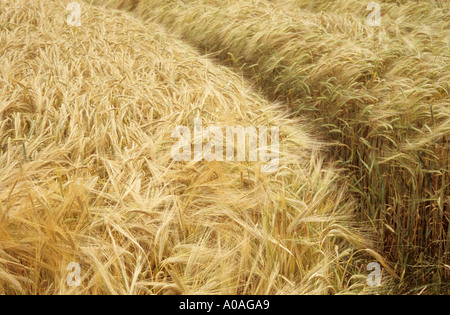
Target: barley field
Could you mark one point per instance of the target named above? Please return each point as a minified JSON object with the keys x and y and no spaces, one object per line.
{"x":93,"y":109}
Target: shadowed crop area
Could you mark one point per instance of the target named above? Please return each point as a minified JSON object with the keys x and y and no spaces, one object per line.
{"x":94,"y":113}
